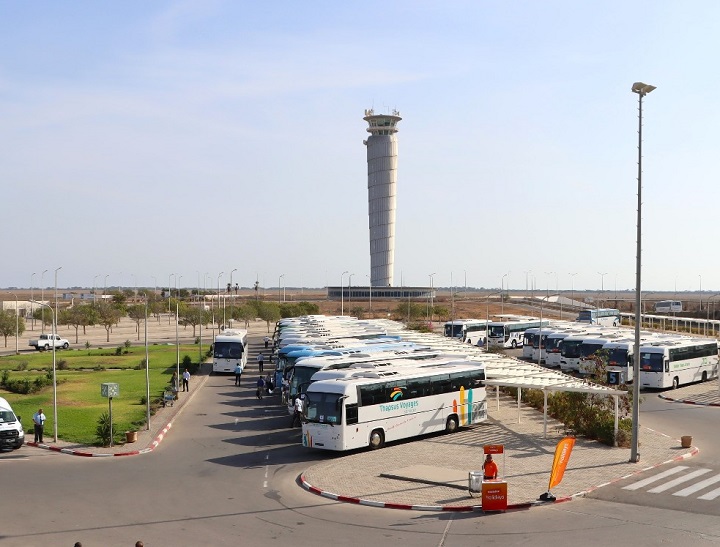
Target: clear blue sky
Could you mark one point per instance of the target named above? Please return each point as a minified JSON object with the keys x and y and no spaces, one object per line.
{"x":141,"y":139}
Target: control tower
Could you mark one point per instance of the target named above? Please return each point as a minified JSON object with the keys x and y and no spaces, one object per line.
{"x":382,"y":178}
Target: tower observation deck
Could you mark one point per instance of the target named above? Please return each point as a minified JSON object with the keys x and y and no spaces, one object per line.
{"x":382,"y":178}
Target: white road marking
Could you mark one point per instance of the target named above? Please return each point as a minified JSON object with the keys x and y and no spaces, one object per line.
{"x":710,"y":495}
{"x":698,"y":486}
{"x":650,"y":480}
{"x":679,"y":480}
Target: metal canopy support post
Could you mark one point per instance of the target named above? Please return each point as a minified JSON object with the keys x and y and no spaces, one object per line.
{"x":519,"y":396}
{"x":497,"y":394}
{"x":615,"y":397}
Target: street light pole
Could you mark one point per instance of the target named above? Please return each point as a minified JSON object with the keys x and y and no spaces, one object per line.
{"x":218,"y":292}
{"x":42,"y":299}
{"x":487,"y":319}
{"x":17,"y":323}
{"x":700,"y":276}
{"x":54,"y":369}
{"x":370,"y":288}
{"x":56,"y":308}
{"x":342,"y":294}
{"x":232,"y":300}
{"x":32,"y":299}
{"x":350,"y":288}
{"x":641,"y":89}
{"x":432,"y":313}
{"x":502,"y":295}
{"x":572,"y":288}
{"x":169,"y":295}
{"x":280,"y":288}
{"x":602,"y":287}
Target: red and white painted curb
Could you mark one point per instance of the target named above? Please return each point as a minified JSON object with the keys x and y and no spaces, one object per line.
{"x":436,"y":508}
{"x":158,"y":439}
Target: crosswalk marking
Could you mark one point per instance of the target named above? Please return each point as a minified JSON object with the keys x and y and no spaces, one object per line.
{"x":679,"y":480}
{"x":698,"y":486}
{"x":710,"y":495}
{"x":654,"y":478}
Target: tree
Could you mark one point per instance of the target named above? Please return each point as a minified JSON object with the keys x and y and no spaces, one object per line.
{"x":193,"y":316}
{"x":156,"y":307}
{"x":109,"y":316}
{"x":270,"y":313}
{"x":245,"y":313}
{"x":137,"y":314}
{"x":80,"y":315}
{"x":409,"y":310}
{"x":10,"y":323}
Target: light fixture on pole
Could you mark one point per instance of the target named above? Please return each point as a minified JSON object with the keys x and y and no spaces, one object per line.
{"x":641,"y":89}
{"x":17,"y":323}
{"x":342,"y":294}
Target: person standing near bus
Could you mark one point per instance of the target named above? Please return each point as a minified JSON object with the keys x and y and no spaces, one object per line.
{"x":238,"y":374}
{"x":260,"y":360}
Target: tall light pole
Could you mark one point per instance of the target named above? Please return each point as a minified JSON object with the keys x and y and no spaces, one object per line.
{"x":602,"y":287}
{"x":342,"y":294}
{"x":105,"y":285}
{"x":147,"y":369}
{"x":95,"y":288}
{"x":17,"y":323}
{"x":54,"y":369}
{"x":231,"y":289}
{"x":218,"y":293}
{"x":547,"y":291}
{"x":431,"y":313}
{"x":280,"y":288}
{"x":641,"y":89}
{"x":350,"y":288}
{"x":42,"y":299}
{"x":700,"y":276}
{"x":32,"y":300}
{"x":169,"y":296}
{"x":487,"y":319}
{"x":370,"y":288}
{"x":527,"y":272}
{"x":502,"y":296}
{"x":572,"y":288}
{"x":56,"y":308}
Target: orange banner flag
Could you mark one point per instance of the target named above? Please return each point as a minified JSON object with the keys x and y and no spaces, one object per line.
{"x":560,"y":461}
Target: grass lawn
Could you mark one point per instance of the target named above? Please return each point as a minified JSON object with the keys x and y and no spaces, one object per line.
{"x":79,"y":403}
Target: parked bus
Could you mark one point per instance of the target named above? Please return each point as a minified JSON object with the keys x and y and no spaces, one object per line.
{"x":229,"y":350}
{"x":668,"y":306}
{"x":600,"y":316}
{"x":509,"y":334}
{"x":570,"y":350}
{"x":476,"y":334}
{"x":347,"y":413}
{"x":456,"y":328}
{"x":674,"y":363}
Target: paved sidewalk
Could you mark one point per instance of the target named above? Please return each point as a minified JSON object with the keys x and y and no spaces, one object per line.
{"x":397,"y":476}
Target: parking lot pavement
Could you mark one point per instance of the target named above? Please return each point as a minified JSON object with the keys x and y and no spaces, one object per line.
{"x":706,"y":393}
{"x":390,"y":476}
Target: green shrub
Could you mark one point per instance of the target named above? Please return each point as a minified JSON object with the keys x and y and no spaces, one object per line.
{"x":4,"y":378}
{"x":62,"y":364}
{"x":118,"y":350}
{"x":186,"y":361}
{"x":87,"y":344}
{"x":128,"y":344}
{"x":22,"y":366}
{"x":102,"y":432}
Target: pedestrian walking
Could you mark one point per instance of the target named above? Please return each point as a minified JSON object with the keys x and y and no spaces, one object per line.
{"x":297,"y":413}
{"x":174,"y":382}
{"x":39,"y":425}
{"x":260,"y":387}
{"x":267,"y":341}
{"x":260,"y":360}
{"x":186,"y":380}
{"x":238,"y":374}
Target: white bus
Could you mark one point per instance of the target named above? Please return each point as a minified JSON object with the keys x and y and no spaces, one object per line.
{"x":600,"y":316}
{"x":509,"y":334}
{"x":348,"y":413}
{"x":668,"y":306}
{"x":456,"y":328}
{"x":673,"y":363}
{"x":230,"y":349}
{"x":476,"y":334}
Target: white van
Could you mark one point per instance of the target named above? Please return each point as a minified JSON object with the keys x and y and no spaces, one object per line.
{"x":11,"y":431}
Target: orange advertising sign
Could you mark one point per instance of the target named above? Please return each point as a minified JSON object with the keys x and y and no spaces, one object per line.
{"x":560,"y":461}
{"x":494,"y":496}
{"x":493,"y":449}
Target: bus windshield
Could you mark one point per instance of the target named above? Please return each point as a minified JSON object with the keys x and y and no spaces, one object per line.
{"x":571,"y":348}
{"x":586,"y":350}
{"x":228,"y":350}
{"x":301,"y":379}
{"x":651,"y":362}
{"x":618,"y":356}
{"x":496,"y":331}
{"x":323,"y":407}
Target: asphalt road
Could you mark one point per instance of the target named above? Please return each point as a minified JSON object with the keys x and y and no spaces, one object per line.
{"x":227,"y":475}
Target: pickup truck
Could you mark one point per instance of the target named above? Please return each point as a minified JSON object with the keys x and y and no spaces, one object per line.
{"x":47,"y":341}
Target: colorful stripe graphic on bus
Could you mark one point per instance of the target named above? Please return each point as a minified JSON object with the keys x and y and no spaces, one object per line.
{"x":396,"y":394}
{"x":307,"y":439}
{"x":466,"y":406}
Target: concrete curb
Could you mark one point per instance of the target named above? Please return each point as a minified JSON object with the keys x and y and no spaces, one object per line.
{"x":686,"y":401}
{"x":435,"y":508}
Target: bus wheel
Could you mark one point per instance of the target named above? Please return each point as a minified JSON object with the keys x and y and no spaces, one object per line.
{"x":377,"y":439}
{"x":451,"y":426}
{"x":514,"y":344}
{"x":676,"y":382}
{"x":704,"y":376}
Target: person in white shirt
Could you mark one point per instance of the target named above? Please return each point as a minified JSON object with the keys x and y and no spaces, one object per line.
{"x":260,"y":360}
{"x":297,"y":414}
{"x":186,"y":380}
{"x":39,"y":423}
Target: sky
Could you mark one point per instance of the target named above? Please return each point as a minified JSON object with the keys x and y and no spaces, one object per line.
{"x":149,"y":143}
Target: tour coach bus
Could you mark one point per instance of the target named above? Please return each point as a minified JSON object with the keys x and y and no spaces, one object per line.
{"x":675,"y":362}
{"x":348,"y":413}
{"x":609,"y":317}
{"x":509,"y":334}
{"x":230,"y":349}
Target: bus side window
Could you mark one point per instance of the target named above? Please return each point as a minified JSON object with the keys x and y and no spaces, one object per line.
{"x":351,"y":414}
{"x":667,"y":365}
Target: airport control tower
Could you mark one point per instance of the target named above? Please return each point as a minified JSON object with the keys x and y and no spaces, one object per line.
{"x":382,"y":178}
